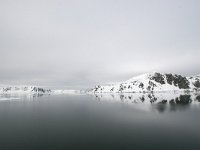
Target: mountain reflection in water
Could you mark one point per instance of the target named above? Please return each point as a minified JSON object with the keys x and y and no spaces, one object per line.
{"x":159,"y":101}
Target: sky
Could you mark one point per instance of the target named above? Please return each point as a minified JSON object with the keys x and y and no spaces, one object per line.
{"x":78,"y":44}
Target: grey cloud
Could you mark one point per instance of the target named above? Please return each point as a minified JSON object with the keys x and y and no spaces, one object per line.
{"x":81,"y":43}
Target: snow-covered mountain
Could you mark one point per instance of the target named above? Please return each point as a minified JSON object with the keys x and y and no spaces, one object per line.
{"x":152,"y":82}
{"x":24,"y":89}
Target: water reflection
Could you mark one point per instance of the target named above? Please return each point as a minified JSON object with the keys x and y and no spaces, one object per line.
{"x":159,"y":101}
{"x":16,"y":96}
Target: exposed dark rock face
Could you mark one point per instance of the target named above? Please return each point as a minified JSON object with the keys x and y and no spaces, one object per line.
{"x":96,"y":88}
{"x":141,"y":85}
{"x":169,"y":78}
{"x":38,"y":90}
{"x":197,"y":84}
{"x":41,"y":90}
{"x":121,"y":88}
{"x":182,"y":82}
{"x":178,"y":80}
{"x":112,"y":89}
{"x":149,"y":88}
{"x":158,"y":78}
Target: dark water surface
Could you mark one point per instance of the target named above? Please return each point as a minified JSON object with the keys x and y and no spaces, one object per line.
{"x":84,"y":122}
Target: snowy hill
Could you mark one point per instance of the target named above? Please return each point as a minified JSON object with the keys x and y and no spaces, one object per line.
{"x":23,"y":89}
{"x":152,"y":82}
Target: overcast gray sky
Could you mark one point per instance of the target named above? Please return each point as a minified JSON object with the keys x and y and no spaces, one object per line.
{"x":79,"y":43}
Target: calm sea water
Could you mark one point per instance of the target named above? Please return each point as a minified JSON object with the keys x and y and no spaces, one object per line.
{"x":99,"y":122}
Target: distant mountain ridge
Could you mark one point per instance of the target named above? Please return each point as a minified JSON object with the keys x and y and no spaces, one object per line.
{"x":23,"y":89}
{"x":152,"y":82}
